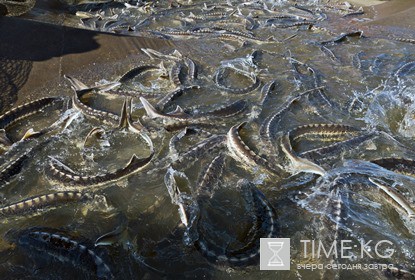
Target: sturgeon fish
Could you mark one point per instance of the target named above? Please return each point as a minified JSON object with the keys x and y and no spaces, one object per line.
{"x":219,"y":82}
{"x":242,"y":153}
{"x":299,"y":164}
{"x":48,"y":243}
{"x":398,"y":165}
{"x":265,"y":226}
{"x":12,"y":168}
{"x":63,"y":174}
{"x":327,"y":131}
{"x":179,"y":118}
{"x":398,"y":199}
{"x":27,"y":109}
{"x":42,"y":201}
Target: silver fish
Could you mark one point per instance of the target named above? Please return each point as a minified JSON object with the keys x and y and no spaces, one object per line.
{"x":397,"y":198}
{"x":65,"y":175}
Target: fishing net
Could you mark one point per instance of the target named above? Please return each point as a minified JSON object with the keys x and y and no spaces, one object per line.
{"x":13,"y":75}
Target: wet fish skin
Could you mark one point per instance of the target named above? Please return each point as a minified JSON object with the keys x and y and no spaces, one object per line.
{"x":398,"y":165}
{"x":299,"y":164}
{"x":323,"y":130}
{"x":242,"y":153}
{"x":50,"y":243}
{"x":136,"y":71}
{"x":179,"y":119}
{"x":106,"y":117}
{"x":63,"y":174}
{"x":266,"y":127}
{"x":266,"y":226}
{"x":323,"y":152}
{"x":398,"y":199}
{"x":12,"y":168}
{"x":210,"y":177}
{"x":218,"y":81}
{"x":207,"y":146}
{"x":42,"y":201}
{"x":227,"y":111}
{"x":343,"y":37}
{"x":27,"y":109}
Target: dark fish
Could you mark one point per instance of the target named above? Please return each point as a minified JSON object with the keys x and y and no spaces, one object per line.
{"x":398,"y":165}
{"x":12,"y":168}
{"x":49,"y":244}
{"x":219,"y":82}
{"x":343,"y":37}
{"x":42,"y":201}
{"x":330,"y":54}
{"x":405,"y":40}
{"x":210,"y":177}
{"x":27,"y":109}
{"x":227,"y":111}
{"x":265,"y":226}
{"x":168,"y":97}
{"x":405,"y":69}
{"x":136,"y":71}
{"x":324,"y":152}
{"x":267,"y":126}
{"x":65,"y":175}
{"x":179,"y":119}
{"x":397,"y":199}
{"x":327,"y":131}
{"x":106,"y":117}
{"x":243,"y":154}
{"x":205,"y":147}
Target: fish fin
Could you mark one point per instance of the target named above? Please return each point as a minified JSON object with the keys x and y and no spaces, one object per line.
{"x":77,"y":85}
{"x":124,"y":115}
{"x":4,"y":139}
{"x":30,"y":133}
{"x":177,"y":54}
{"x":179,"y":112}
{"x":141,"y":161}
{"x":150,"y":110}
{"x":96,"y":131}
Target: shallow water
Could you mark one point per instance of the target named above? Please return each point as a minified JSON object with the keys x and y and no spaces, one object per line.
{"x":365,"y":85}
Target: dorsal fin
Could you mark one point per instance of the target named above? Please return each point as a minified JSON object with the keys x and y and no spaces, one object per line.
{"x":140,"y":161}
{"x":96,"y":131}
{"x":150,"y":110}
{"x":134,"y":159}
{"x":177,"y":54}
{"x":178,"y":112}
{"x":124,"y":115}
{"x":30,"y":133}
{"x":77,"y":85}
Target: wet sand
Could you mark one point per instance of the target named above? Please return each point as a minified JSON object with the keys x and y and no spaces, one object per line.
{"x":68,"y":51}
{"x":399,"y":13}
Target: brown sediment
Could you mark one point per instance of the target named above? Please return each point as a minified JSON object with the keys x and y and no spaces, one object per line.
{"x":385,"y":19}
{"x":66,"y":50}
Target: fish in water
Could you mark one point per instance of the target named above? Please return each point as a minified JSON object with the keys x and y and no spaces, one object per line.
{"x":59,"y":172}
{"x":398,"y":165}
{"x":50,"y":244}
{"x":34,"y":203}
{"x":397,"y":198}
{"x":265,"y":225}
{"x":242,"y":153}
{"x":299,"y":164}
{"x":179,"y":118}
